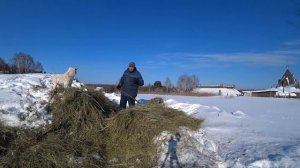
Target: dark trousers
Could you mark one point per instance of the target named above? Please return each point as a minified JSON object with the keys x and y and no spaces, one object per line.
{"x":123,"y":102}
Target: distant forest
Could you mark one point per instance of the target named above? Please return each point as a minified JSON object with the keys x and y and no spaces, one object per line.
{"x":20,"y":63}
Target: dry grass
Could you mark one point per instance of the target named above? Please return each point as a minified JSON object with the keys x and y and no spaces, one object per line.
{"x":131,"y":133}
{"x":7,"y":136}
{"x":75,"y":137}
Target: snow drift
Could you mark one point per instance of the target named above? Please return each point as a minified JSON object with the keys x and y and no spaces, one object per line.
{"x":240,"y":132}
{"x":218,"y":91}
{"x":24,"y":99}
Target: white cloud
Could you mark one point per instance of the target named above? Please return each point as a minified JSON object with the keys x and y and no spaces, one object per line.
{"x":198,"y":60}
{"x":295,"y":43}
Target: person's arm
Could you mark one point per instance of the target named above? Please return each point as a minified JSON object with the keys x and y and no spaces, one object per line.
{"x":140,"y":80}
{"x":121,"y":83}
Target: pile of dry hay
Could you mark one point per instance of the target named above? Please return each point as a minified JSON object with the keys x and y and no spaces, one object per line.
{"x":86,"y":131}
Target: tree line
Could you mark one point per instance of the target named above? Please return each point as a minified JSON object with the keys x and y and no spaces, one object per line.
{"x":185,"y":83}
{"x":21,"y":63}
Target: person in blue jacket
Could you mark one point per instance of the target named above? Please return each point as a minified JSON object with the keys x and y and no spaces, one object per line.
{"x":129,"y":85}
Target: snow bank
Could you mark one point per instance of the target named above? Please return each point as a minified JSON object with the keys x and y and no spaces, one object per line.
{"x":193,"y":149}
{"x":287,"y":91}
{"x":113,"y":97}
{"x":239,"y":132}
{"x":218,"y":91}
{"x":24,"y":99}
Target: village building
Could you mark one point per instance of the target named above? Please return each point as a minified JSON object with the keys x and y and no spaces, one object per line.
{"x":217,"y":90}
{"x":287,"y":86}
{"x":287,"y":79}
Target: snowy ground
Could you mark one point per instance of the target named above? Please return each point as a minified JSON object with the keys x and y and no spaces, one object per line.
{"x":218,"y":91}
{"x":24,"y":98}
{"x":237,"y":132}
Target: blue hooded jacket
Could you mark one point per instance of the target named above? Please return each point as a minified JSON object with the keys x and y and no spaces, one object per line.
{"x":131,"y":81}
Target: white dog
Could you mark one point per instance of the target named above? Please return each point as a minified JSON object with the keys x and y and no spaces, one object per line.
{"x":64,"y":80}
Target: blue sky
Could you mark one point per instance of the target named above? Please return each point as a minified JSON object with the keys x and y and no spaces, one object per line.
{"x":243,"y":42}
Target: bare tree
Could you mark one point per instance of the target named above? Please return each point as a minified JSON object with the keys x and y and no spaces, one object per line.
{"x":38,"y":67}
{"x":3,"y":65}
{"x":149,"y":86}
{"x":168,"y":84}
{"x":187,"y":83}
{"x":23,"y":62}
{"x":194,"y":81}
{"x":2,"y":62}
{"x":182,"y":82}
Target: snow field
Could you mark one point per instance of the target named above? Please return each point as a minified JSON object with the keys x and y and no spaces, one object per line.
{"x":237,"y":131}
